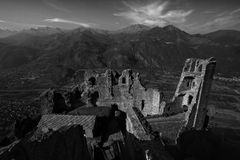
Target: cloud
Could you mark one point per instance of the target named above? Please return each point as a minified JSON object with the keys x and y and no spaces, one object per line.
{"x":235,"y":11}
{"x":154,"y":14}
{"x":60,"y":20}
{"x":55,"y":6}
{"x":22,"y":25}
{"x":225,"y":20}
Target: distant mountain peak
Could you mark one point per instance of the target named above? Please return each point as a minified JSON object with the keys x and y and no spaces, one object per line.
{"x":141,"y":26}
{"x":171,"y":28}
{"x":134,"y":28}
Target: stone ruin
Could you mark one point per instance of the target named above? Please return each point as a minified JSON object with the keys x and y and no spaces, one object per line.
{"x":188,"y":107}
{"x":147,"y":115}
{"x":106,"y":89}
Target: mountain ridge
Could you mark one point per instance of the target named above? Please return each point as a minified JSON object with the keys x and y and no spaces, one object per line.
{"x":5,"y":33}
{"x":164,"y":49}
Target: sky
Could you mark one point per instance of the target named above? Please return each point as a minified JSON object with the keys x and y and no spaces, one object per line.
{"x":192,"y":16}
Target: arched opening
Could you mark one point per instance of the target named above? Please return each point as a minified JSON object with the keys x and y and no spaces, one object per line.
{"x":123,"y":80}
{"x":75,"y":99}
{"x":92,"y":81}
{"x":190,"y":97}
{"x":114,"y":107}
{"x":187,"y":66}
{"x":142,"y":104}
{"x":94,"y":98}
{"x":114,"y":110}
{"x":193,"y":66}
{"x":200,"y":68}
{"x":186,"y":83}
{"x":59,"y":103}
{"x":193,"y":84}
{"x":185,"y":108}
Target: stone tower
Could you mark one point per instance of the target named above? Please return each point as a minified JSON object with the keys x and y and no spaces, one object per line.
{"x":193,"y":90}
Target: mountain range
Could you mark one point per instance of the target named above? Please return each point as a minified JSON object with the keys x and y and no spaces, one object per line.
{"x":6,"y":33}
{"x":52,"y":54}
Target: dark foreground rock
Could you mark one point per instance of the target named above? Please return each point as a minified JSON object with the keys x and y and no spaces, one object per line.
{"x":67,"y":144}
{"x":205,"y":145}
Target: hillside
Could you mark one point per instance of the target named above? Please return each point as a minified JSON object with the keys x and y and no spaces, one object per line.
{"x":226,"y":37}
{"x":6,"y":33}
{"x":53,"y":55}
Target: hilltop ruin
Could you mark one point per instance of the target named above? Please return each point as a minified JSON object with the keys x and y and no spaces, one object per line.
{"x":110,"y":97}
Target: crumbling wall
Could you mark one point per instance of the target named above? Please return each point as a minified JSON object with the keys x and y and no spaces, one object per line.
{"x":127,"y":91}
{"x":60,"y":101}
{"x":192,"y":92}
{"x":152,"y":97}
{"x":137,"y":125}
{"x":46,"y":101}
{"x":201,"y":111}
{"x":104,"y":85}
{"x":146,"y":100}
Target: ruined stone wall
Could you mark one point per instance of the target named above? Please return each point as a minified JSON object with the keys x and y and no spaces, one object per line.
{"x":203,"y":100}
{"x":116,"y":91}
{"x":192,"y":91}
{"x":61,"y":100}
{"x":156,"y":102}
{"x":99,"y":82}
{"x":104,"y":83}
{"x":125,"y":82}
{"x":46,"y":101}
{"x":139,"y":95}
{"x":137,"y":125}
{"x":127,"y":92}
{"x":146,"y":100}
{"x":55,"y":101}
{"x":130,"y":96}
{"x":151,"y":100}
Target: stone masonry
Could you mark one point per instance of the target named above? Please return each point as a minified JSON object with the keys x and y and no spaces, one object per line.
{"x":126,"y":92}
